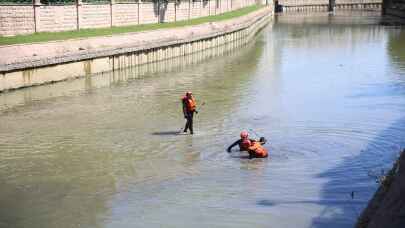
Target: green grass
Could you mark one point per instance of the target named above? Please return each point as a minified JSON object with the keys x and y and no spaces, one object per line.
{"x":83,"y":33}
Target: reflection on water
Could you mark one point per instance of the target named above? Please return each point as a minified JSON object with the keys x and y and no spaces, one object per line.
{"x":396,"y":50}
{"x":102,"y":151}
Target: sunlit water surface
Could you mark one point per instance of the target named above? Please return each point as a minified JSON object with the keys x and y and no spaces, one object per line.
{"x":327,"y":91}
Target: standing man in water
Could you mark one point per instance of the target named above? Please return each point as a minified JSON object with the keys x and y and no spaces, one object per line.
{"x":189,"y":108}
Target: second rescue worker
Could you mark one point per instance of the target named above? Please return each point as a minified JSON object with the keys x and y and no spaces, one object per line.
{"x":189,"y":108}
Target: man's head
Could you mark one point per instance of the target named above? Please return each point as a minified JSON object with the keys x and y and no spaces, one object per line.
{"x":189,"y":94}
{"x":244,"y":135}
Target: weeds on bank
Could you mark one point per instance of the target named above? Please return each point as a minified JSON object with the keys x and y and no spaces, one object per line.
{"x":84,"y":33}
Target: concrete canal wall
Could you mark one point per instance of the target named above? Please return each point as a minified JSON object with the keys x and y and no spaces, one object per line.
{"x":57,"y":61}
{"x":394,"y":8}
{"x":387,"y":207}
{"x":325,"y":5}
{"x":26,"y":19}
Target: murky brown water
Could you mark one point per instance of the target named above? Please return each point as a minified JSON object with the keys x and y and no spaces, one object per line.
{"x":327,"y":91}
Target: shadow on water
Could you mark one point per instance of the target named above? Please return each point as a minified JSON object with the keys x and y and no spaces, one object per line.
{"x":360,"y":172}
{"x":271,"y":203}
{"x":351,"y":183}
{"x":343,"y":205}
{"x":352,"y":176}
{"x":240,"y":156}
{"x":396,"y":49}
{"x":164,"y":133}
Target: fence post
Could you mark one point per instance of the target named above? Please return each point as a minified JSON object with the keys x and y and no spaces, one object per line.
{"x":189,"y":9}
{"x":35,"y":4}
{"x":139,"y":2}
{"x":112,"y":2}
{"x":78,"y":5}
{"x":158,"y":6}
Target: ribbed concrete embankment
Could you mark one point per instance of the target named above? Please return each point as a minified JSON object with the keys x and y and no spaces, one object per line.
{"x":35,"y":64}
{"x":387,"y":208}
{"x":327,"y":5}
{"x":395,"y":8}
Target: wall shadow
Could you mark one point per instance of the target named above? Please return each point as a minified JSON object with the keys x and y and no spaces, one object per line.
{"x":343,"y":205}
{"x":160,"y":8}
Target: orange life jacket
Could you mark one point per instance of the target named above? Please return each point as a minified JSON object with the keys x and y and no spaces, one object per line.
{"x":190,"y":103}
{"x":244,"y":145}
{"x":258,"y":149}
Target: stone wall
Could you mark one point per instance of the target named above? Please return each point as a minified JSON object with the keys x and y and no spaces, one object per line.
{"x":55,"y":18}
{"x":125,"y":14}
{"x":94,"y":16}
{"x":16,"y":20}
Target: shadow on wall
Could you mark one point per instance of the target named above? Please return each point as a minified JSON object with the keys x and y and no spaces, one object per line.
{"x":160,"y":8}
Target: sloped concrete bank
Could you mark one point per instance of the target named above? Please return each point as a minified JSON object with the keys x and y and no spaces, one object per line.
{"x":387,"y":208}
{"x":36,"y":64}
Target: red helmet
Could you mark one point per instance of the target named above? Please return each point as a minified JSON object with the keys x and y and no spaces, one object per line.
{"x":244,"y":134}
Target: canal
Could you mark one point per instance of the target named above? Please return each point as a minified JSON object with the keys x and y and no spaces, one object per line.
{"x":328,"y":91}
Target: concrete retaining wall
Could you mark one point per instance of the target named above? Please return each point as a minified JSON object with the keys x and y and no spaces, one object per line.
{"x":125,"y":14}
{"x":194,"y":39}
{"x":387,"y":207}
{"x":52,"y":18}
{"x":16,"y":20}
{"x":394,"y":8}
{"x":325,"y":5}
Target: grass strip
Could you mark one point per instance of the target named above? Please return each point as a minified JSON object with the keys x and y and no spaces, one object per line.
{"x":84,"y":33}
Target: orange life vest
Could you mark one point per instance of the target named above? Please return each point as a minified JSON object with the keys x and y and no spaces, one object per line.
{"x":258,"y":149}
{"x":244,"y":145}
{"x":190,"y":103}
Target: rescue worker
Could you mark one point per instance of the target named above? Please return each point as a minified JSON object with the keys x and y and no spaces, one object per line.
{"x":189,"y":108}
{"x":253,"y":147}
{"x":256,"y":150}
{"x":243,"y":142}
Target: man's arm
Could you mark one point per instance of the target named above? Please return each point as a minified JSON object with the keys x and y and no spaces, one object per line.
{"x":233,"y":144}
{"x":183,"y":102}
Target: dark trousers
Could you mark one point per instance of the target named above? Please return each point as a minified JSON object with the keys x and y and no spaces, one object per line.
{"x":189,"y":123}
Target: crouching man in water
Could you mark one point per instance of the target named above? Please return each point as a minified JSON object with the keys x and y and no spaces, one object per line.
{"x":253,"y":147}
{"x":189,"y":108}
